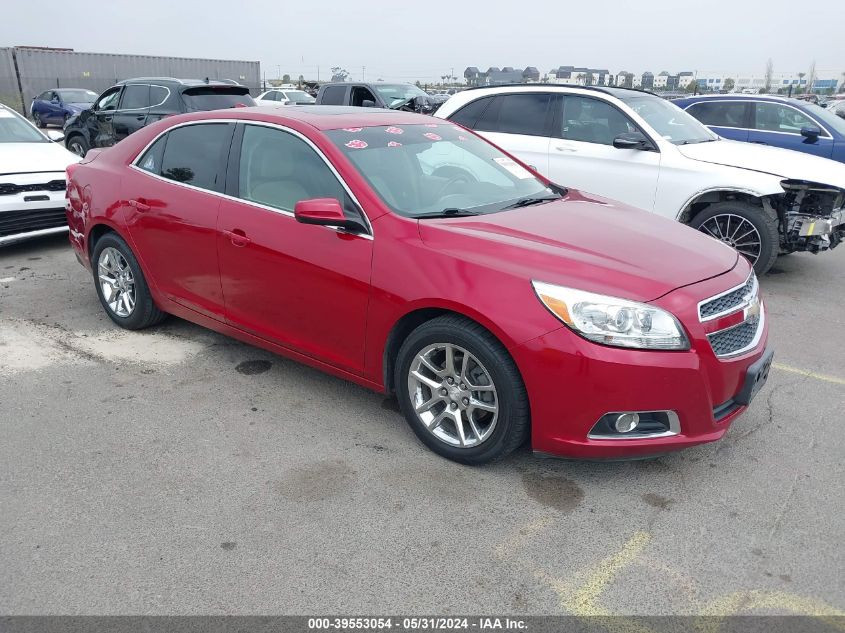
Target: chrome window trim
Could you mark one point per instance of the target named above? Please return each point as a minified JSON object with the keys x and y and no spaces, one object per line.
{"x":754,"y":102}
{"x":149,"y":106}
{"x":284,"y":212}
{"x":754,"y":342}
{"x":740,"y":306}
{"x":674,"y":427}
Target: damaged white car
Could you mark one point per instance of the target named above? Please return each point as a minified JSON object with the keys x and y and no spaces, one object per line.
{"x":635,"y":147}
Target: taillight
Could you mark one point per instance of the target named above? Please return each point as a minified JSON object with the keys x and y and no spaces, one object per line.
{"x":241,"y":105}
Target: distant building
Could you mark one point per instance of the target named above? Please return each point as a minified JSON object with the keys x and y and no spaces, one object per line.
{"x":493,"y":76}
{"x":647,"y":82}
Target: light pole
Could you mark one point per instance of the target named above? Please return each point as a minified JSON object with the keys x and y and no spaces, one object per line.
{"x":363,"y":68}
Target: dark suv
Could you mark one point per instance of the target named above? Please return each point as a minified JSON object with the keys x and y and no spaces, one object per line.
{"x":131,"y":104}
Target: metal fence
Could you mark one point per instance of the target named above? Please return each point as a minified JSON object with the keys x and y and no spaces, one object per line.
{"x":26,"y":72}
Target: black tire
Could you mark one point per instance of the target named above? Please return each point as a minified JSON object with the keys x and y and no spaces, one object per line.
{"x":512,"y":425}
{"x":77,"y":144}
{"x":765,"y":223}
{"x":39,"y":123}
{"x":145,"y":312}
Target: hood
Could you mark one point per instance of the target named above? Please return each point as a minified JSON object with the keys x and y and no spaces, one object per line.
{"x":21,"y":158}
{"x":78,"y":106}
{"x":785,"y":163}
{"x":586,"y":243}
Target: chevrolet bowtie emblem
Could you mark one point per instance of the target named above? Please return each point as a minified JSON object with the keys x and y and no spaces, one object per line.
{"x":752,"y":309}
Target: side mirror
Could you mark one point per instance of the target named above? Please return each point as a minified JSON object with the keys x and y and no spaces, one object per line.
{"x":631,"y":140}
{"x":324,"y":212}
{"x":368,"y":103}
{"x":55,"y":135}
{"x":811,"y":132}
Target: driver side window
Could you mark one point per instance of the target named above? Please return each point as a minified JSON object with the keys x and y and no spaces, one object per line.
{"x":592,"y":121}
{"x":108,"y":101}
{"x":278,"y":169}
{"x":361,"y":94}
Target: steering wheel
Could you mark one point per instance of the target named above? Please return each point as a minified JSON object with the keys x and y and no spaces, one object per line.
{"x":464,"y":178}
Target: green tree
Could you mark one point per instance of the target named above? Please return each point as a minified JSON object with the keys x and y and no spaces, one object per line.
{"x":729,"y":84}
{"x":285,"y":79}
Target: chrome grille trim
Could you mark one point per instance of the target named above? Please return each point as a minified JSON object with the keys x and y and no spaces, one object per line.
{"x":722,"y":348}
{"x":729,"y":301}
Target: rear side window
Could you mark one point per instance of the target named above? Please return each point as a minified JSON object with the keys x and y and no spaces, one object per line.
{"x":524,"y":114}
{"x":135,"y":97}
{"x":333,"y":95}
{"x":151,"y":160}
{"x":158,"y":95}
{"x":720,"y":114}
{"x":468,"y":115}
{"x":216,"y":98}
{"x":194,"y":154}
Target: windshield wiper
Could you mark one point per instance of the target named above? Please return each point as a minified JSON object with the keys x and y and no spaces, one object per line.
{"x":449,"y":212}
{"x":697,"y":141}
{"x":525,"y":202}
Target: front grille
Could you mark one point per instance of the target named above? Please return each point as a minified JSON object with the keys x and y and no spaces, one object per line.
{"x":727,"y":302}
{"x":10,"y":189}
{"x":14,"y":222}
{"x":733,"y":339}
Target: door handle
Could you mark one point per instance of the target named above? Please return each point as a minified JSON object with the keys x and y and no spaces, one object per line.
{"x":565,"y":148}
{"x":238,"y":237}
{"x":140,"y":117}
{"x":139,"y":204}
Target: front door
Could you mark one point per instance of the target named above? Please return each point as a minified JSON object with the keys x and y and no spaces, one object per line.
{"x":171,"y":202}
{"x":582,"y":154}
{"x":302,"y":286}
{"x":780,"y":125}
{"x":100,"y":122}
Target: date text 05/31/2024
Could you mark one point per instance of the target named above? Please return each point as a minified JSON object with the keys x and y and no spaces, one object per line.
{"x":416,"y":624}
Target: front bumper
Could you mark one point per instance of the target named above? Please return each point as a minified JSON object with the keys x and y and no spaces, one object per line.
{"x":572,"y":383}
{"x":31,"y":205}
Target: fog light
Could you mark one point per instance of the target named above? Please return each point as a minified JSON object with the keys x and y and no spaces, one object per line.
{"x":626,"y":422}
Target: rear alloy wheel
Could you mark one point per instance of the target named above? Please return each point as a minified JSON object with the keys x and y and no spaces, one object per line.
{"x":460,"y":391}
{"x":751,"y":230}
{"x":77,"y":145}
{"x":121,"y":286}
{"x":38,"y":121}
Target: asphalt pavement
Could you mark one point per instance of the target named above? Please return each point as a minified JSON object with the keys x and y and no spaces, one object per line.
{"x":177,"y":471}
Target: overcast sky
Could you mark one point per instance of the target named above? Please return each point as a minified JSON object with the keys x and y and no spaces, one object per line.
{"x":413,"y":39}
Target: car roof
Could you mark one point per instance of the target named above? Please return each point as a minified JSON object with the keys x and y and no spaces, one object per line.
{"x":742,"y":97}
{"x":615,"y":91}
{"x":324,"y":117}
{"x":173,"y":80}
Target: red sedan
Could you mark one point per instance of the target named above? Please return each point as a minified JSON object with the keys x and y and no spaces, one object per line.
{"x":413,"y":257}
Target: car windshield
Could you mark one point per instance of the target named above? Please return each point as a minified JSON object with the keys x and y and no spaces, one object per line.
{"x":668,"y":120}
{"x":77,"y":96}
{"x":14,"y":129}
{"x":828,"y":118}
{"x":397,"y":94}
{"x":438,"y":169}
{"x":298,"y":96}
{"x":216,"y":97}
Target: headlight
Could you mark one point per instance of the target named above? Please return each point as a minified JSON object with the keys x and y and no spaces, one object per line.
{"x":612,"y":321}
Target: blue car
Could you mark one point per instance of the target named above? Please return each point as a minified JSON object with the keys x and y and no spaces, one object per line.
{"x":769,"y":120}
{"x":54,"y":107}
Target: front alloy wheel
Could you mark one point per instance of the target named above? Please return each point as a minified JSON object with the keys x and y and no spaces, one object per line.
{"x":736,"y":232}
{"x":460,"y":391}
{"x":453,"y":395}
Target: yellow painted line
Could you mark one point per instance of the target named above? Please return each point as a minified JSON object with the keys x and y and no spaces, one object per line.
{"x":810,"y":374}
{"x":810,"y":230}
{"x":585,"y":599}
{"x":745,"y":602}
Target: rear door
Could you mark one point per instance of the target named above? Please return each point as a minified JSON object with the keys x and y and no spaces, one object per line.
{"x":171,"y":199}
{"x":333,"y":95}
{"x":730,"y":119}
{"x":779,"y":124}
{"x":520,"y":124}
{"x":131,"y":113}
{"x":582,"y":154}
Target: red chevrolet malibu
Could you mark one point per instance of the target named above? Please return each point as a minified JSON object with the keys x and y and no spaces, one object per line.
{"x":413,"y":257}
